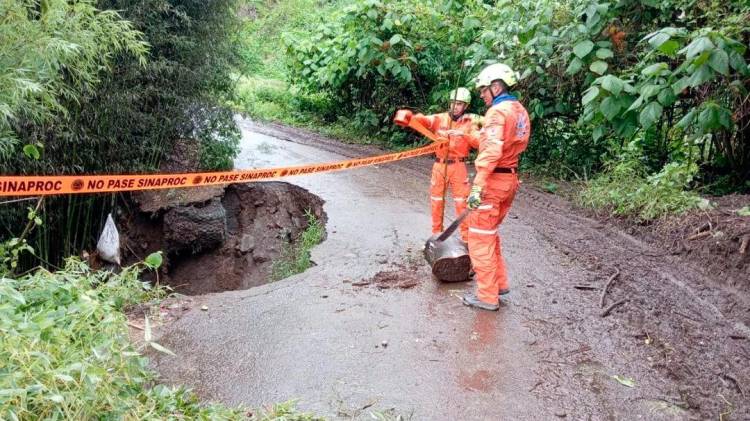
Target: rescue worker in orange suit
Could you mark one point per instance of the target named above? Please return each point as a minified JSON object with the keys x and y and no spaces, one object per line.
{"x":503,"y":138}
{"x":449,"y":169}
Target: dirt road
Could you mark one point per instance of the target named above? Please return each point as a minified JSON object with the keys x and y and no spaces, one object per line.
{"x":367,"y":330}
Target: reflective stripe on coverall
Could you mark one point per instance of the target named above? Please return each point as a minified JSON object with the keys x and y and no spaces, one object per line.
{"x":457,"y":177}
{"x":503,"y":138}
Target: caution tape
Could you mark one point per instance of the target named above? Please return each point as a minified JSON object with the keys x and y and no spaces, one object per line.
{"x":72,"y":184}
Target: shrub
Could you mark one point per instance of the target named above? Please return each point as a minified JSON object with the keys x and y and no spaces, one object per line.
{"x":625,"y":189}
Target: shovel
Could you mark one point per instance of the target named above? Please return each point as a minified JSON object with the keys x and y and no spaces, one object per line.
{"x":448,"y":255}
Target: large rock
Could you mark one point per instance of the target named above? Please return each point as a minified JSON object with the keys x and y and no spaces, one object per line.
{"x":195,"y":229}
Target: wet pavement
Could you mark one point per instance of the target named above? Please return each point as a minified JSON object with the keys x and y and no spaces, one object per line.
{"x":316,"y":338}
{"x":345,"y":350}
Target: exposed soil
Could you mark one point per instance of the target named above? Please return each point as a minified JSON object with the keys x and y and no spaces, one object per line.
{"x":261,"y":218}
{"x":676,"y":326}
{"x":403,"y":277}
{"x":216,"y":238}
{"x":228,"y":244}
{"x":716,"y":239}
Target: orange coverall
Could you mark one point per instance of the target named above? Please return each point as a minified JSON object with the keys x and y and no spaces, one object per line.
{"x":503,"y":138}
{"x":454,"y":174}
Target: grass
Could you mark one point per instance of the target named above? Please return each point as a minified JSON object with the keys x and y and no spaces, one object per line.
{"x":295,"y":257}
{"x":282,"y":412}
{"x":625,"y":189}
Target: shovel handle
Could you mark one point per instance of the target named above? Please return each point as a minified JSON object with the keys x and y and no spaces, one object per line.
{"x":452,"y":227}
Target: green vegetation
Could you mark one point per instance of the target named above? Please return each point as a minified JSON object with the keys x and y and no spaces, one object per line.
{"x":263,"y":91}
{"x":295,"y":256}
{"x":665,"y":82}
{"x":627,"y":189}
{"x":88,"y":90}
{"x":41,"y":39}
{"x":65,"y":352}
{"x":284,"y":411}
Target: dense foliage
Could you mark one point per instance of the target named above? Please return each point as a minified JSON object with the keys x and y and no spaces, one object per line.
{"x":52,"y":54}
{"x":672,"y":77}
{"x":97,"y":91}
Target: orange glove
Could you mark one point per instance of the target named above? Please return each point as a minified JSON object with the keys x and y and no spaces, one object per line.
{"x":403,"y":117}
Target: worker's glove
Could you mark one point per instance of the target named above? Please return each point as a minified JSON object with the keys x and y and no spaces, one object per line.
{"x":475,"y":197}
{"x":403,"y":117}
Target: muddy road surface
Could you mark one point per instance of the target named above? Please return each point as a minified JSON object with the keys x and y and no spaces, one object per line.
{"x":366,"y":330}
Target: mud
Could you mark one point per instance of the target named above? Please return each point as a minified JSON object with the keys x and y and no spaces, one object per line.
{"x":681,"y":331}
{"x":226,"y":244}
{"x":712,"y":238}
{"x":261,"y":219}
{"x":403,"y":277}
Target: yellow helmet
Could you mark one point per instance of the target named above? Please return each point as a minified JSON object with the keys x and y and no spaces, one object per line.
{"x":497,"y":71}
{"x":460,"y":94}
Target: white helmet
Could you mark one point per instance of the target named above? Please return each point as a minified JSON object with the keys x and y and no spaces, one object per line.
{"x":493,"y":72}
{"x":460,"y":94}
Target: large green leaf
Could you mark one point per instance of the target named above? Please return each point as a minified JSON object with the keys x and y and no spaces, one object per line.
{"x":666,"y":97}
{"x":649,"y":90}
{"x":574,"y":67}
{"x":654,"y":69}
{"x":670,"y":47}
{"x":610,"y":108}
{"x":725,"y":117}
{"x":650,"y":114}
{"x":31,"y":151}
{"x":682,"y":84}
{"x":658,"y":39}
{"x":612,"y":84}
{"x":636,"y":104}
{"x":738,"y":63}
{"x":590,"y":95}
{"x":395,"y":39}
{"x":604,"y":53}
{"x":583,"y":48}
{"x":702,"y":75}
{"x":599,"y":67}
{"x":698,"y":46}
{"x":719,"y":61}
{"x":154,"y":260}
{"x":687,"y":119}
{"x":714,"y":117}
{"x":598,"y":132}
